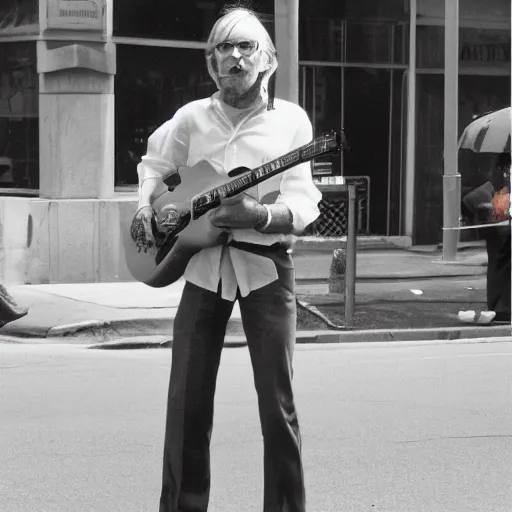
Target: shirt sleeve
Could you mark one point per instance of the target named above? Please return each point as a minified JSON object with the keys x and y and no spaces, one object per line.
{"x":167,"y":149}
{"x":297,"y":190}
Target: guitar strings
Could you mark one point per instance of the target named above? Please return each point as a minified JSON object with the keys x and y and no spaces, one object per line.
{"x":308,"y":152}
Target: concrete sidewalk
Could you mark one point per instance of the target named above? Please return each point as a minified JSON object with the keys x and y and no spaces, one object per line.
{"x":400,"y":295}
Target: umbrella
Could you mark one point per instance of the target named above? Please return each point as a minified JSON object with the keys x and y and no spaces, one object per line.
{"x":489,"y":133}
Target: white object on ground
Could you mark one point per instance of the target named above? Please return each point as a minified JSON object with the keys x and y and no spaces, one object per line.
{"x":417,"y":292}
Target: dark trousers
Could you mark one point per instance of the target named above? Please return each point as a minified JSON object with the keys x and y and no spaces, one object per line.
{"x":497,"y":239}
{"x":269,"y":321}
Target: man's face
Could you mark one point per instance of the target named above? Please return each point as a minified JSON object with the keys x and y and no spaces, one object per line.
{"x":240,"y":58}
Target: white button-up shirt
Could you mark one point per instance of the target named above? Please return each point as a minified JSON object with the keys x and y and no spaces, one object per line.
{"x":201,"y":130}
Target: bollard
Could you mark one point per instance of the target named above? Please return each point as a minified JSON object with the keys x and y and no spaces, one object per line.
{"x":350,"y":269}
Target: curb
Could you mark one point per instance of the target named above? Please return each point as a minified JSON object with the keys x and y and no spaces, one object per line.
{"x":332,"y":337}
{"x":136,"y":328}
{"x":143,"y":342}
{"x":146,"y":333}
{"x":162,"y":326}
{"x":302,"y":281}
{"x":69,"y":329}
{"x":427,"y":334}
{"x":377,"y":336}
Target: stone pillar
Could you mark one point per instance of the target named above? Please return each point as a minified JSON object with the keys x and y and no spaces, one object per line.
{"x":76,"y":119}
{"x":71,"y":233}
{"x":75,"y":231}
{"x":287,"y":45}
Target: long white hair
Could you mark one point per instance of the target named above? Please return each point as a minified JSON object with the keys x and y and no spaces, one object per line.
{"x":221,"y":32}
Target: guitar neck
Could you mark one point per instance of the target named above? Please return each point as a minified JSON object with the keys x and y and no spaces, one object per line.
{"x":208,"y":200}
{"x":260,"y":174}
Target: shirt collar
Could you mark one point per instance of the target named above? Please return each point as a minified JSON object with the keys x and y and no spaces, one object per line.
{"x":215,"y":103}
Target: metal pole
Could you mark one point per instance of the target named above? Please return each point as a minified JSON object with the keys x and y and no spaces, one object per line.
{"x":411,"y":127}
{"x":350,"y":269}
{"x":390,"y":125}
{"x":451,"y":177}
{"x":390,"y":150}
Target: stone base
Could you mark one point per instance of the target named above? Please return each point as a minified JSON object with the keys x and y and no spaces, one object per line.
{"x":62,"y":241}
{"x":79,"y":241}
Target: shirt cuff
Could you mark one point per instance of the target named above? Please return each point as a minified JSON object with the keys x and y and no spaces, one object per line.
{"x":304,"y":209}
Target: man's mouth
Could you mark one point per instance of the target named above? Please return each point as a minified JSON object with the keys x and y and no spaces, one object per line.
{"x":235,"y":70}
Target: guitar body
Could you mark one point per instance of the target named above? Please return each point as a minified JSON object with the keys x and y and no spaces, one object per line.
{"x":161,"y":267}
{"x":185,"y":201}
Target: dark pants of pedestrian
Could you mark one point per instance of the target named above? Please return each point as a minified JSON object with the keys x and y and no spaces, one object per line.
{"x":497,"y":239}
{"x":269,"y":321}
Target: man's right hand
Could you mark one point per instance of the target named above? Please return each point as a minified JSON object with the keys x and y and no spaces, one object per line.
{"x":141,"y":229}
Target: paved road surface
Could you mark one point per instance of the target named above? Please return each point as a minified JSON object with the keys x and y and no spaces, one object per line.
{"x":386,"y":428}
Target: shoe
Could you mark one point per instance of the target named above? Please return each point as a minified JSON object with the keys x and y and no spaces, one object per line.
{"x":473,"y":317}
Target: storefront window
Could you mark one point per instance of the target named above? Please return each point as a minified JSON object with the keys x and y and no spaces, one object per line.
{"x":350,"y":31}
{"x":321,"y":95}
{"x":477,"y":95}
{"x":430,"y":47}
{"x":376,"y":11}
{"x":151,"y":85}
{"x":320,"y":39}
{"x":484,"y":48}
{"x":366,"y":122}
{"x":16,"y":16}
{"x":369,"y":42}
{"x":478,"y":48}
{"x":338,"y":40}
{"x":19,"y":124}
{"x":165,"y":19}
{"x":476,"y":11}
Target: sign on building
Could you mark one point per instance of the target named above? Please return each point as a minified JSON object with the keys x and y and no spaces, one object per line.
{"x":75,"y":15}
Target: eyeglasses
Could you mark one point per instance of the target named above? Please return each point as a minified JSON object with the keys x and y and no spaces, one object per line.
{"x":246,"y":48}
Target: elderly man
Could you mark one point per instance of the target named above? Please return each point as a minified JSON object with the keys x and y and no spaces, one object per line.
{"x":239,"y":125}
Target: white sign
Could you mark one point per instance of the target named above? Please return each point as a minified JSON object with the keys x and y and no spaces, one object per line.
{"x":76,"y":15}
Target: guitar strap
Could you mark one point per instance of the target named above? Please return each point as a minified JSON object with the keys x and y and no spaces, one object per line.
{"x":271,"y":91}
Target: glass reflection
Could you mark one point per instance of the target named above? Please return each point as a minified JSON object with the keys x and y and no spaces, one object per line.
{"x":321,"y":98}
{"x":19,"y":112}
{"x":164,"y":19}
{"x":353,"y":31}
{"x":18,"y":13}
{"x":366,"y":121}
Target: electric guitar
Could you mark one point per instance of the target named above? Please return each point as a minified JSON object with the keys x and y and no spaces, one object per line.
{"x":180,"y":225}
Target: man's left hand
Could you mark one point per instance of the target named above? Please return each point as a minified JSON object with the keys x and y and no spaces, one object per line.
{"x":241,"y":211}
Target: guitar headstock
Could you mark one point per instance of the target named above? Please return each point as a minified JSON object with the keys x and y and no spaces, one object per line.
{"x":336,"y":140}
{"x":330,"y":143}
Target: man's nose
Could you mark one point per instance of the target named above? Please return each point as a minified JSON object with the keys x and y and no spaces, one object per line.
{"x":236,"y":53}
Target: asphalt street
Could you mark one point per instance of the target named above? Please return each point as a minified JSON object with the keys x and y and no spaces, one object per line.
{"x":386,"y":427}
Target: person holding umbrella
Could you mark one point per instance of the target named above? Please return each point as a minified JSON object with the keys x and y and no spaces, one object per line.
{"x":490,"y":204}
